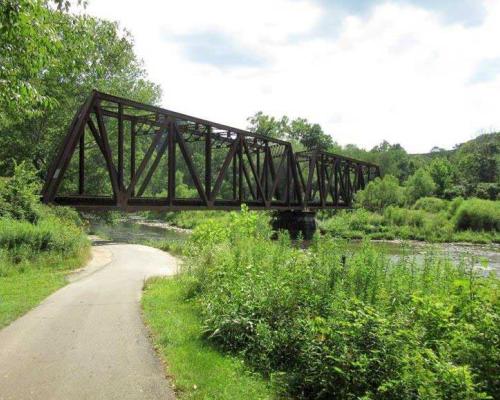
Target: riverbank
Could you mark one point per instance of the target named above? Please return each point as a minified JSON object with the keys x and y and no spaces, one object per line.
{"x":430,"y":220}
{"x":165,"y":236}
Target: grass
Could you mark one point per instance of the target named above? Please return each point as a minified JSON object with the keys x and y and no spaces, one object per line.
{"x":174,"y":247}
{"x":22,"y":292}
{"x":199,"y":371}
{"x":24,"y":289}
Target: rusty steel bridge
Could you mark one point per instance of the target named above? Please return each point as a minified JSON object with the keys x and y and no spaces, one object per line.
{"x":120,"y":154}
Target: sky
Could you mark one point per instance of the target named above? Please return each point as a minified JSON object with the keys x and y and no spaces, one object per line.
{"x":421,"y":73}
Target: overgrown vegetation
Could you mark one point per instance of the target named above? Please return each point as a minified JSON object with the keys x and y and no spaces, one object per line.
{"x":38,"y":245}
{"x":323,"y":326}
{"x":387,"y":210}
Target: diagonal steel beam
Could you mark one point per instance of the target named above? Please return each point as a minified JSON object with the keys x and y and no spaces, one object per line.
{"x":107,"y":150}
{"x":220,"y":177}
{"x":189,"y":162}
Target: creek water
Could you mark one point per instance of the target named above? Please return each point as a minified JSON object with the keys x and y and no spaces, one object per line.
{"x":485,"y":257}
{"x":138,"y":231}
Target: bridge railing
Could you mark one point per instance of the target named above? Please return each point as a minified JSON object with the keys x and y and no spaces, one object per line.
{"x":121,"y":154}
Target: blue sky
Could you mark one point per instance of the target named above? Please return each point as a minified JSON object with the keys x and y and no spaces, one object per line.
{"x":466,"y":12}
{"x":420,"y":73}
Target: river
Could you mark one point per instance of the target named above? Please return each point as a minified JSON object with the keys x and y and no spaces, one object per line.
{"x":485,"y":257}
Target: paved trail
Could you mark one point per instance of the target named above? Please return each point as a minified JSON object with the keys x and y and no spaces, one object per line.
{"x":87,"y":340}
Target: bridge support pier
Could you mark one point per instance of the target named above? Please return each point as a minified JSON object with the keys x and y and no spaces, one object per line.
{"x":296,"y":222}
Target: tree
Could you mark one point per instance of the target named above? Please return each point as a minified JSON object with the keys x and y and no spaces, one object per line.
{"x":478,"y":161}
{"x":441,"y":172}
{"x":266,"y":125}
{"x":299,"y":130}
{"x":92,"y":53}
{"x":393,"y":160}
{"x":311,"y":136}
{"x":420,"y":184}
{"x":27,"y":44}
{"x":380,"y":193}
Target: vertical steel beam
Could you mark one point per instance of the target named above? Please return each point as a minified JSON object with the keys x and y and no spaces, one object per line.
{"x":120,"y":147}
{"x":265,"y":171}
{"x":288,"y":176}
{"x":240,"y":169}
{"x":132,"y":152}
{"x":322,"y":186}
{"x":81,"y":166}
{"x":297,"y":183}
{"x":171,"y":163}
{"x":347,"y":184}
{"x":235,"y":179}
{"x":208,"y":161}
{"x":336,"y":181}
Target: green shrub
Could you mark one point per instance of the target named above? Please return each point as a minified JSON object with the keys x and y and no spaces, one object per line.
{"x":486,"y":190}
{"x":478,"y":215}
{"x":355,"y":223}
{"x":359,"y":327}
{"x":30,"y":230}
{"x":19,"y":195}
{"x":431,"y":204}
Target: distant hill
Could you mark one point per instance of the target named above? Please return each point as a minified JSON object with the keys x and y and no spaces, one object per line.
{"x":485,"y":139}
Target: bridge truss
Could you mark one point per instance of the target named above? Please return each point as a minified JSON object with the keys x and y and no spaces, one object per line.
{"x":123,"y":155}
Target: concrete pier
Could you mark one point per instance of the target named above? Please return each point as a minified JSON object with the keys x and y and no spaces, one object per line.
{"x":296,"y":222}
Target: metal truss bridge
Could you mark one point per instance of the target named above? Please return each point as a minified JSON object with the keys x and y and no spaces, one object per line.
{"x":123,"y":155}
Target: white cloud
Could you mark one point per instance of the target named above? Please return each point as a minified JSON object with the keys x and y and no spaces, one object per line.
{"x":399,"y":73}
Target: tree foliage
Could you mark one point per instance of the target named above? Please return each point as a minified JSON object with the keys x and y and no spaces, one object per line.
{"x":28,"y":43}
{"x":380,"y":193}
{"x":88,"y":53}
{"x":420,"y":184}
{"x":441,"y":172}
{"x":300,"y":130}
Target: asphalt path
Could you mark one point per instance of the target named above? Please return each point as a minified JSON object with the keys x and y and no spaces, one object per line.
{"x":88,"y":339}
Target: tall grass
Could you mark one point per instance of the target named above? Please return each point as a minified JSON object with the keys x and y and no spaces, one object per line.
{"x":478,"y":215}
{"x":360,"y":326}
